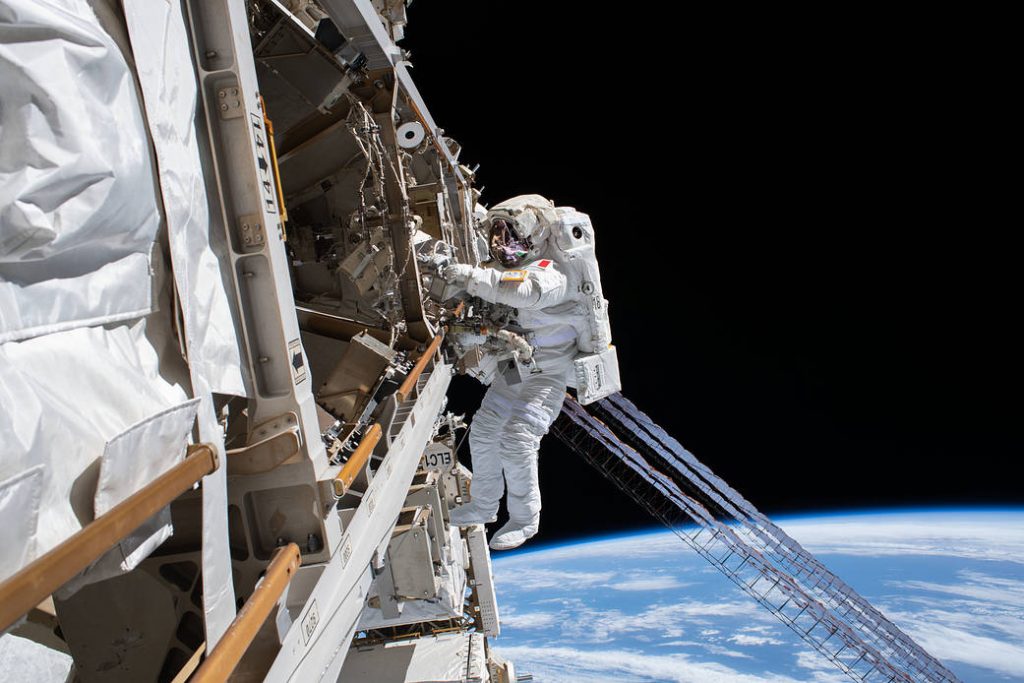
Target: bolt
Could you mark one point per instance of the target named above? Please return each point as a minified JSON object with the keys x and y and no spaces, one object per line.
{"x":223,"y":107}
{"x":313,"y":543}
{"x":210,"y":54}
{"x":264,"y":359}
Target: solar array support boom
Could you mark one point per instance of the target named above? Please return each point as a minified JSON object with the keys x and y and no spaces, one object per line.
{"x":637,"y":455}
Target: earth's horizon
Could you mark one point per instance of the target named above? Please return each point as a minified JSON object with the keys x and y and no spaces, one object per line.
{"x":642,"y":607}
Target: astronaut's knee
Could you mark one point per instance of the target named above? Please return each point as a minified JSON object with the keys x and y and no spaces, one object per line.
{"x":485,"y":428}
{"x":523,"y":436}
{"x":478,"y":440}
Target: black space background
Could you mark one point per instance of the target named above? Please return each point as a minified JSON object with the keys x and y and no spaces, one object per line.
{"x":802,"y":230}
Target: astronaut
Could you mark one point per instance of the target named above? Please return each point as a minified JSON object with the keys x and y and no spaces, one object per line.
{"x":537,"y":277}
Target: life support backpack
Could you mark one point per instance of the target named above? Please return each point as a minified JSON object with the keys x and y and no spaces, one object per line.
{"x":595,"y":371}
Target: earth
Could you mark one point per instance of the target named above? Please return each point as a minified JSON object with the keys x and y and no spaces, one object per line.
{"x":644,"y":607}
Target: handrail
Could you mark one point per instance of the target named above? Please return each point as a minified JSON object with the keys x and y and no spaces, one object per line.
{"x":357,"y":460}
{"x":228,"y":652}
{"x":354,"y":465}
{"x":41,"y":577}
{"x":417,"y":370}
{"x":282,"y":209}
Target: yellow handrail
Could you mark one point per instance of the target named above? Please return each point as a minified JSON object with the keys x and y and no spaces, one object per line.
{"x":236,"y":640}
{"x":273,"y":164}
{"x":356,"y":462}
{"x":417,"y":370}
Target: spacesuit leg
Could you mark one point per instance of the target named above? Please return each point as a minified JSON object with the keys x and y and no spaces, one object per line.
{"x":539,"y":401}
{"x":485,"y":437}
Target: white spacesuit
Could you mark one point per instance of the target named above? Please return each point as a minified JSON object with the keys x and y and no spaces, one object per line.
{"x":539,"y":276}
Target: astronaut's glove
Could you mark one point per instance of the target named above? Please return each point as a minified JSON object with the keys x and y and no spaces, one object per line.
{"x":457,"y":274}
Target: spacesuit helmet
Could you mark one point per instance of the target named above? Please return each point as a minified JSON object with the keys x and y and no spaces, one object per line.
{"x":516,"y":230}
{"x":507,"y":246}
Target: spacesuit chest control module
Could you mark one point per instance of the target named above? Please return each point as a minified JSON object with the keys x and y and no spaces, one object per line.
{"x":540,"y":324}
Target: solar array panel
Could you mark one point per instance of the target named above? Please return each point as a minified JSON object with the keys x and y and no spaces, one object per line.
{"x":715,"y":520}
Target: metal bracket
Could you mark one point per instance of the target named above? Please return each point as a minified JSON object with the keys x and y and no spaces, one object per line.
{"x":230,"y":103}
{"x":252,"y":231}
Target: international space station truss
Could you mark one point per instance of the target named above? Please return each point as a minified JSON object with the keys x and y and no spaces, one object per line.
{"x":277,"y":440}
{"x":627,"y":447}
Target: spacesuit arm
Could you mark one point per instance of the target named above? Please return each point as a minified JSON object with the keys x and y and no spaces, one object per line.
{"x":529,"y":288}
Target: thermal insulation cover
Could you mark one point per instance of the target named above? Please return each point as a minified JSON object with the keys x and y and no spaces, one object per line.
{"x":63,"y":398}
{"x":195,"y":230}
{"x":78,"y":206}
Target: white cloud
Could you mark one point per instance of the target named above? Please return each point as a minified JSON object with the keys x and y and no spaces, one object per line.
{"x":972,"y":535}
{"x":571,"y":665}
{"x":762,"y":629}
{"x":820,"y":669}
{"x":654,"y":544}
{"x":982,"y":625}
{"x":583,"y":623}
{"x":709,"y":647}
{"x":532,"y":579}
{"x":747,"y":639}
{"x":530,"y":620}
{"x":956,"y":644}
{"x":976,"y":586}
{"x":649,"y":583}
{"x":720,"y":651}
{"x":699,"y":608}
{"x":568,"y":581}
